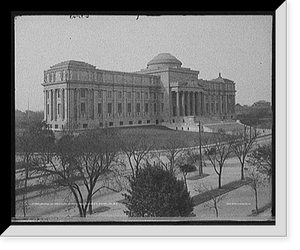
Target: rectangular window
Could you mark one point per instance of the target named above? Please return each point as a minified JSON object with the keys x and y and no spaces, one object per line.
{"x":47,"y":109}
{"x":82,"y":107}
{"x":101,"y":124}
{"x":146,"y":107}
{"x":82,"y":92}
{"x":58,"y":93}
{"x":128,"y":107}
{"x":130,"y":122}
{"x":109,"y":94}
{"x":162,"y":96}
{"x":109,"y":108}
{"x":121,"y":123}
{"x":110,"y":124}
{"x":154,"y":107}
{"x":138,"y":107}
{"x":129,"y":95}
{"x":119,"y":108}
{"x":138,"y":95}
{"x":148,"y":121}
{"x":100,"y":94}
{"x":154,"y":96}
{"x":119,"y":94}
{"x":56,"y":126}
{"x":85,"y":125}
{"x":100,"y":108}
{"x":162,"y":107}
{"x":146,"y":95}
{"x":58,"y":108}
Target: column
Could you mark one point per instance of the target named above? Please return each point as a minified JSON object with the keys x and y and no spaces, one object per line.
{"x":170,"y":102}
{"x":177,"y":103}
{"x":95,"y":104}
{"x":78,"y":104}
{"x":226,"y":103}
{"x":55,"y":105}
{"x":183,"y":103}
{"x":67,"y":100}
{"x":193,"y":103}
{"x":196,"y":103}
{"x":92,"y":105}
{"x":188,"y":103}
{"x":220,"y":103}
{"x":87,"y":108}
{"x":45,"y":105}
{"x":63,"y":104}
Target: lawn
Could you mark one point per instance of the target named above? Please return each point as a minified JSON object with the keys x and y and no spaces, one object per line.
{"x":160,"y":134}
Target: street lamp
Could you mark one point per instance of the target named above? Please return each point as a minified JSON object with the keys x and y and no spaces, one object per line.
{"x":200,"y":149}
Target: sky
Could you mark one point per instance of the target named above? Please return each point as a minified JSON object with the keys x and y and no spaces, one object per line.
{"x":239,"y":47}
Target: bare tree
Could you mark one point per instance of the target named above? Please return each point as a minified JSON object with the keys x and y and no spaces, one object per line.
{"x":214,"y":202}
{"x":241,"y":145}
{"x":263,"y":159}
{"x":34,"y":140}
{"x":137,"y":149}
{"x":218,"y":152}
{"x":79,"y":162}
{"x":172,"y":150}
{"x":256,"y":180}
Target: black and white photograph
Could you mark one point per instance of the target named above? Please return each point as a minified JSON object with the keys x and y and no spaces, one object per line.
{"x":145,"y":120}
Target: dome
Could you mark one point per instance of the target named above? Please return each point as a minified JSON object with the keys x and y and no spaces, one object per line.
{"x":164,"y":60}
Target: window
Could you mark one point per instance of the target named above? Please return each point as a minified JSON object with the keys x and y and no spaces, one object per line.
{"x":101,"y":124}
{"x":109,"y":108}
{"x":130,"y":122}
{"x":162,"y":107}
{"x":82,"y":92}
{"x":154,"y":107}
{"x":110,"y":124}
{"x":138,"y":95}
{"x":56,"y":126}
{"x":85,"y":125}
{"x":119,"y":108}
{"x":129,"y":95}
{"x":121,"y":123}
{"x":128,"y":107}
{"x":138,"y":107}
{"x":58,"y":108}
{"x":148,"y":121}
{"x":100,"y":108}
{"x":154,"y":96}
{"x":47,"y":109}
{"x":58,"y":93}
{"x":139,"y":122}
{"x":119,"y":94}
{"x":109,"y":94}
{"x":100,"y":94}
{"x":82,"y":107}
{"x":146,"y":95}
{"x":162,"y":96}
{"x":146,"y":107}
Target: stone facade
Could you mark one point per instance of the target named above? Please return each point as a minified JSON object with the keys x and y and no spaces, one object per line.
{"x":78,"y":95}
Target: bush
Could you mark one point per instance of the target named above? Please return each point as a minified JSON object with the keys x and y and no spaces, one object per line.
{"x":155,"y":192}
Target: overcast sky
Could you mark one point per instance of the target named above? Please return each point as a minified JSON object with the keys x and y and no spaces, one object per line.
{"x":240,"y":47}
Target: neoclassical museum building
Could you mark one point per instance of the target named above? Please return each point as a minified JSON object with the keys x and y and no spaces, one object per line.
{"x":78,"y":94}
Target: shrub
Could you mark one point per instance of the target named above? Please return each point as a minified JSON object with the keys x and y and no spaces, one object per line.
{"x":155,"y":192}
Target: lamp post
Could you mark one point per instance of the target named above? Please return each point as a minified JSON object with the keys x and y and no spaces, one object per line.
{"x":200,"y":149}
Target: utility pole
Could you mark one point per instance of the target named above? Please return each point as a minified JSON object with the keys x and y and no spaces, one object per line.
{"x":200,"y":149}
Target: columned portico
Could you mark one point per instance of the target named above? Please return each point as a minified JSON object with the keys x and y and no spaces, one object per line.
{"x":187,"y":103}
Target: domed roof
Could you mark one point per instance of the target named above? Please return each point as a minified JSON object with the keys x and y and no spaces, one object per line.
{"x":165,"y":59}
